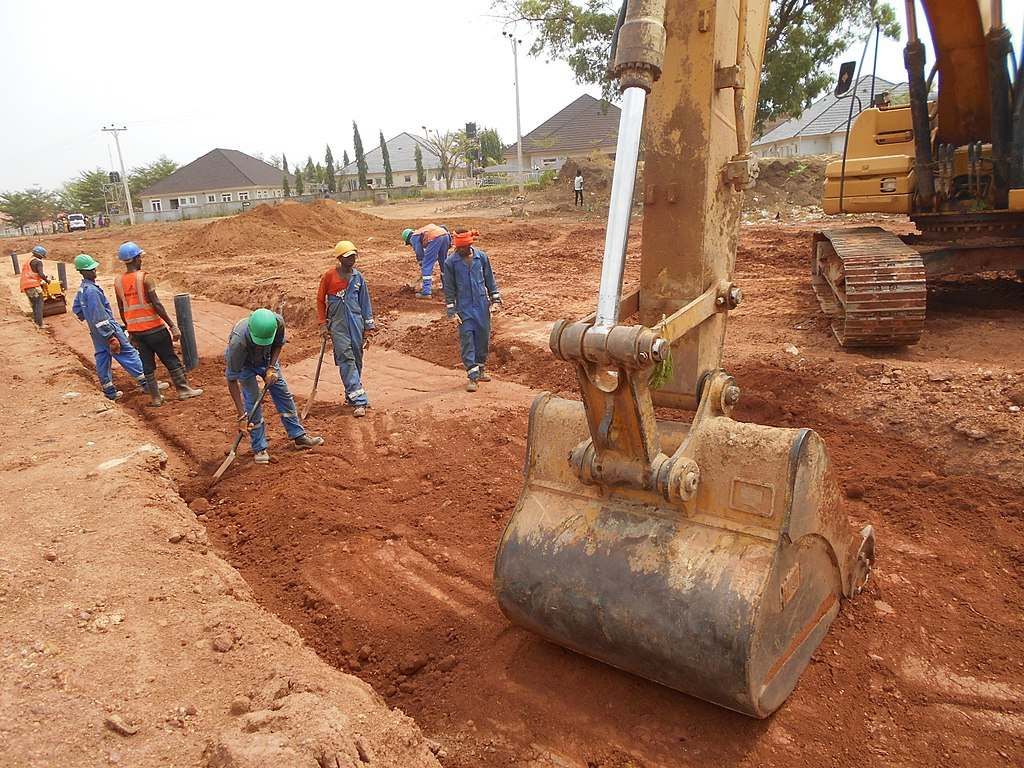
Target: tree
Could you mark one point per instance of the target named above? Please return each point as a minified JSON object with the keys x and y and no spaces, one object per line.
{"x":446,"y":147}
{"x":310,"y":170}
{"x":804,"y":36}
{"x":286,"y":186}
{"x":329,"y":170}
{"x":146,"y":176}
{"x":284,"y":164}
{"x":491,"y":148}
{"x":86,"y":193}
{"x":300,"y":188}
{"x":27,"y":206}
{"x":344,"y":158}
{"x":357,"y":145}
{"x":389,"y":180}
{"x":275,"y":160}
{"x":421,"y":174}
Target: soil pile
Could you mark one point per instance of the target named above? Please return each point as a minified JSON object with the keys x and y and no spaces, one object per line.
{"x":276,"y":228}
{"x":785,"y":183}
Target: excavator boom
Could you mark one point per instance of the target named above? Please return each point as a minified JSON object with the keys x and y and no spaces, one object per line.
{"x":710,"y":556}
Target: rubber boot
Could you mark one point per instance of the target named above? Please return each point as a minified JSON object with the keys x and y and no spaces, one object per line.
{"x":180,"y":379}
{"x":153,"y":388}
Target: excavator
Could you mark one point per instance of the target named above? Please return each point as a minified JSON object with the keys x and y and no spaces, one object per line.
{"x":953,"y":165}
{"x":708,"y":555}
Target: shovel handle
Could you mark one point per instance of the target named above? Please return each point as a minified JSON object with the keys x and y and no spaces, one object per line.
{"x":316,"y":380}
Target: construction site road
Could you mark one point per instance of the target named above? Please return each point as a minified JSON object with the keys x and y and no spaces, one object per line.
{"x":377,"y":548}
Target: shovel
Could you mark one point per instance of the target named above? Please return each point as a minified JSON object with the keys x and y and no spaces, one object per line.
{"x":316,"y":380}
{"x":234,"y":446}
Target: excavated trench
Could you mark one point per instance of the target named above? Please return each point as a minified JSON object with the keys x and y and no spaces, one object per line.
{"x":378,"y":549}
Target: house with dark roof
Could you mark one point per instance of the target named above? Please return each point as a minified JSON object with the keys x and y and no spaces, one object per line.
{"x":402,"y":156}
{"x":586,"y":127}
{"x":821,"y":128}
{"x":219,"y":176}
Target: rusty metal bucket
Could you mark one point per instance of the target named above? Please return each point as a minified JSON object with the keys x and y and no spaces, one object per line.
{"x":724,"y":596}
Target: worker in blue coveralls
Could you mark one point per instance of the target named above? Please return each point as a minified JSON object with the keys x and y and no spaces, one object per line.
{"x":254,"y":349}
{"x":109,"y":341}
{"x":430,"y":244}
{"x":345,"y":314}
{"x":471,"y":295}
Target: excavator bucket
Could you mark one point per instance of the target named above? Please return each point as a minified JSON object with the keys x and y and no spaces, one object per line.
{"x":724,"y":597}
{"x":711,"y":556}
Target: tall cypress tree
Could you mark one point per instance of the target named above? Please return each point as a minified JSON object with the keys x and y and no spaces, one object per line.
{"x":421,"y":174}
{"x":285,"y":186}
{"x":329,"y":170}
{"x":284,"y":163}
{"x":360,"y":157}
{"x":299,"y":186}
{"x":310,"y":170}
{"x":389,"y":181}
{"x":344,"y":158}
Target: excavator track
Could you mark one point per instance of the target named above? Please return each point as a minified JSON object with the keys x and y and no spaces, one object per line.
{"x":871,"y":285}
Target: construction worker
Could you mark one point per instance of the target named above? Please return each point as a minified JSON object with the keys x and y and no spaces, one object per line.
{"x":430,"y":244}
{"x":345,"y":313}
{"x":108,"y":338}
{"x":32,"y":279}
{"x":471,"y":295}
{"x":254,"y":349}
{"x":150,"y":328}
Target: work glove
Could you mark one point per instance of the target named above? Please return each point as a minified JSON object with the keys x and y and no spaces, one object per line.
{"x":175,"y":333}
{"x":115,"y":345}
{"x":496,"y":307}
{"x":325,"y":332}
{"x":271,"y":376}
{"x":456,"y":319}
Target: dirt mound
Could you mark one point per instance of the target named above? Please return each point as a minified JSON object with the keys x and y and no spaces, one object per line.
{"x":269,"y":228}
{"x":784,"y":183}
{"x":597,"y":173}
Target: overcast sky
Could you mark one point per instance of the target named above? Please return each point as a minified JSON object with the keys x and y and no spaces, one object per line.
{"x":270,"y":77}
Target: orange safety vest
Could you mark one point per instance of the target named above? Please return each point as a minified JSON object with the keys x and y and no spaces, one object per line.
{"x":429,"y":233}
{"x":139,"y":313}
{"x":29,"y":278}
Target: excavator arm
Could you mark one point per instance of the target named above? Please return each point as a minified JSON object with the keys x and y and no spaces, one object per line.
{"x":709,"y":556}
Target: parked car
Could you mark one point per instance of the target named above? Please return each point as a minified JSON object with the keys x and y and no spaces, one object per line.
{"x":76,"y":221}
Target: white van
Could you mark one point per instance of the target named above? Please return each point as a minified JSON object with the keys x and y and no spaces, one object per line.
{"x":76,"y":221}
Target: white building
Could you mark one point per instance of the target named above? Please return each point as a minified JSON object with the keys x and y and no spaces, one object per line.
{"x":821,"y":128}
{"x":402,"y":156}
{"x":219,"y":176}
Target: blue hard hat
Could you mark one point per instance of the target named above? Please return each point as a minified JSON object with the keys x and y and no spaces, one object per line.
{"x":129,"y":251}
{"x":39,"y":251}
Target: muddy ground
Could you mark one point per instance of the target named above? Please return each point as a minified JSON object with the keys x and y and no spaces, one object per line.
{"x":378,"y":547}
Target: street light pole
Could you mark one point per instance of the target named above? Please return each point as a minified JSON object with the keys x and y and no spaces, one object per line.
{"x":124,"y":176}
{"x":519,"y":129}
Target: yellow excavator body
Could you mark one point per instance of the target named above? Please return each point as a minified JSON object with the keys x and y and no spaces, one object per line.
{"x":709,"y":556}
{"x":950,"y":162}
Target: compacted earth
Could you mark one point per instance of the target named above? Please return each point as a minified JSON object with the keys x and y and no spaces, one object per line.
{"x":377,"y":548}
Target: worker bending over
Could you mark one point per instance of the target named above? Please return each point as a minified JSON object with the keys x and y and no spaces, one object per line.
{"x":31,"y":282}
{"x":150,"y":328}
{"x":345,"y":313}
{"x":430,"y":244}
{"x":471,"y":293}
{"x":254,"y":349}
{"x":108,"y":338}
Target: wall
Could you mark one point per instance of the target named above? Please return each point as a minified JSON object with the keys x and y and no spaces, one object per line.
{"x":351,"y":183}
{"x":207,"y":210}
{"x":254,"y":193}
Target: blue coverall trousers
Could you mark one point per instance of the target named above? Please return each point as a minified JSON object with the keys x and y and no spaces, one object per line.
{"x":283,"y":402}
{"x":474,"y":341}
{"x":347,"y":341}
{"x":128,"y":358}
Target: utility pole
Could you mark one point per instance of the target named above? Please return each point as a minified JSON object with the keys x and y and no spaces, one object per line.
{"x":519,"y":129}
{"x":124,"y":176}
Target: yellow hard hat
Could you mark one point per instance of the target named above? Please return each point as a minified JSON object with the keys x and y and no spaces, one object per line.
{"x":345,"y":248}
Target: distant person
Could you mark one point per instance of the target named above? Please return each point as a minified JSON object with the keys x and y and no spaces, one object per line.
{"x":31,"y":281}
{"x":430,"y":244}
{"x":345,"y":314}
{"x":577,"y":185}
{"x":471,"y":295}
